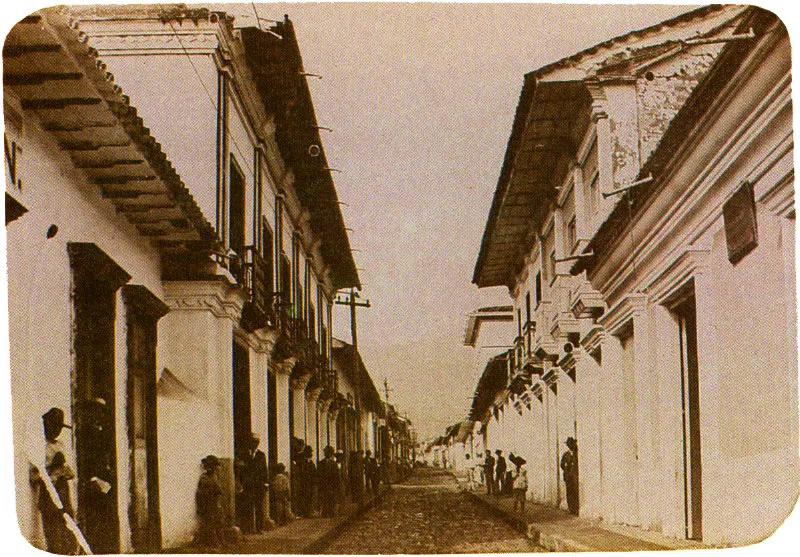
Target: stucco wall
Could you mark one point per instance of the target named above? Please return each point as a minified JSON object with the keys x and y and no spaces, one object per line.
{"x":40,"y":308}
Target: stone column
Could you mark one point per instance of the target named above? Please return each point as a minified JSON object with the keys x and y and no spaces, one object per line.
{"x":322,"y":412}
{"x":312,"y":438}
{"x":195,"y":397}
{"x":283,"y":371}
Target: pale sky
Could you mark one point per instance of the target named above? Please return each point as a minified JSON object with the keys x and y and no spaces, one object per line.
{"x":421,"y":98}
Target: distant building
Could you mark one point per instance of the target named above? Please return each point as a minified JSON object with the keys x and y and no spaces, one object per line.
{"x":644,"y":225}
{"x":171,"y":266}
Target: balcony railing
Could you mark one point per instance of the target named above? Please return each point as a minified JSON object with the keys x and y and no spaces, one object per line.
{"x":251,"y":272}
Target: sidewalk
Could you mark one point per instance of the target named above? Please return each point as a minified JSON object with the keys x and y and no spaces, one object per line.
{"x":300,"y":536}
{"x":557,"y":530}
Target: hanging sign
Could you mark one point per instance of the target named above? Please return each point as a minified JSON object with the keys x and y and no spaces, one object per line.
{"x":741,"y":228}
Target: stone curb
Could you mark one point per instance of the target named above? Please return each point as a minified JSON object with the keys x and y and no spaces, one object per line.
{"x":319,"y":544}
{"x":547,"y":540}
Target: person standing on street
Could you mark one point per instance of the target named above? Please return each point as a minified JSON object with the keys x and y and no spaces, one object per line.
{"x":488,"y":472}
{"x":500,"y":472}
{"x":57,"y":537}
{"x":255,"y":484}
{"x":308,"y":479}
{"x":371,"y":472}
{"x":569,"y":465}
{"x":520,"y":483}
{"x":281,"y":494}
{"x":469,"y":464}
{"x":209,"y":509}
{"x":328,"y":483}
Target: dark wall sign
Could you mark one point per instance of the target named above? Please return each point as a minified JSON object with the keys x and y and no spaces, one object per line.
{"x":741,"y":229}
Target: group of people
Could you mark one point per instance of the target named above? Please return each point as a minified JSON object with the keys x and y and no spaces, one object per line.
{"x":501,"y":479}
{"x":52,"y":485}
{"x":328,"y":484}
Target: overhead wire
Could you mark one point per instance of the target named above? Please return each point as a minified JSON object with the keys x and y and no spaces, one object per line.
{"x":205,"y":88}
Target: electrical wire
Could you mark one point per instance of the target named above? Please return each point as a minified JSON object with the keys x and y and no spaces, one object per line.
{"x":245,"y":159}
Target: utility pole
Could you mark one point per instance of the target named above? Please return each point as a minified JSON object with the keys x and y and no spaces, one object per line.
{"x":351,"y":300}
{"x":386,"y":389}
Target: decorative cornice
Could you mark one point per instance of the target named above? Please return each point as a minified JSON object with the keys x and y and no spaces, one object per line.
{"x":587,"y":303}
{"x":626,"y":309}
{"x":564,"y":323}
{"x":150,"y":43}
{"x":689,"y":264}
{"x":217,"y":297}
{"x":593,"y":339}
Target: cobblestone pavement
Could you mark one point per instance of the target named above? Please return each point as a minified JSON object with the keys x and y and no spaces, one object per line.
{"x":427,"y":514}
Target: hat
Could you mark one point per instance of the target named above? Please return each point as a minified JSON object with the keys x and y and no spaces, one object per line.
{"x":571,"y":443}
{"x":210,"y":461}
{"x":55,"y":418}
{"x":328,"y":450}
{"x":497,"y":451}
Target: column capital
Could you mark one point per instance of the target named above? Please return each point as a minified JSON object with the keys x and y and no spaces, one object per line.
{"x":215,"y":296}
{"x":312,"y":395}
{"x":284,"y":367}
{"x":324,"y":404}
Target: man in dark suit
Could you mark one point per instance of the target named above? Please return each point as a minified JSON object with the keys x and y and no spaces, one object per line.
{"x":255,"y":485}
{"x":328,"y":482}
{"x":488,"y":472}
{"x":500,"y":472}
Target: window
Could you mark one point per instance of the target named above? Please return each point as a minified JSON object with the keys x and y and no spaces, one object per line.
{"x":528,"y":304}
{"x":285,"y":282}
{"x":571,"y":235}
{"x":267,"y":253}
{"x":549,"y":255}
{"x":236,"y":219}
{"x":594,"y":194}
{"x":538,"y":285}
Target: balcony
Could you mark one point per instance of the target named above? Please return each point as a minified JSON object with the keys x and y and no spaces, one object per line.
{"x":252,"y":273}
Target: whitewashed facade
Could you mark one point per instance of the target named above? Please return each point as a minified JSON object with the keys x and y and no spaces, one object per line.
{"x":209,"y":237}
{"x":652,"y":274}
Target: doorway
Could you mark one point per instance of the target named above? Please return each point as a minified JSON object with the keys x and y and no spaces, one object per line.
{"x":686,"y":314}
{"x":95,"y":281}
{"x":242,"y":427}
{"x":143,"y":312}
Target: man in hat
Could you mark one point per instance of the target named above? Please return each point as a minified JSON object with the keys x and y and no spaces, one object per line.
{"x":569,"y":465}
{"x":57,"y":537}
{"x":209,"y":509}
{"x":328,"y":482}
{"x":308,"y":479}
{"x":255,"y":486}
{"x":488,"y":472}
{"x":500,"y":473}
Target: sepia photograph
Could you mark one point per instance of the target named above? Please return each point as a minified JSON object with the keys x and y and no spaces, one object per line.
{"x":398,"y":278}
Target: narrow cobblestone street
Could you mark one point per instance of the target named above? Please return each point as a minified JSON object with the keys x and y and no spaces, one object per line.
{"x":427,"y":514}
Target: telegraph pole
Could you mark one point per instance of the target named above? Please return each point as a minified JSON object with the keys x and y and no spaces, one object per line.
{"x":351,"y":301}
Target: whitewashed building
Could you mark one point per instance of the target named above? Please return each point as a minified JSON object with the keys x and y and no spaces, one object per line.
{"x":186,"y":282}
{"x":644,"y":226}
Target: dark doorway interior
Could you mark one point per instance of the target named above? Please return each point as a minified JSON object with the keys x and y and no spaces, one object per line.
{"x":686,"y":313}
{"x":96,"y":278}
{"x":242,"y":427}
{"x":236,"y":217}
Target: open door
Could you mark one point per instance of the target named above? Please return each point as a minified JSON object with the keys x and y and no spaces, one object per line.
{"x":143,"y":312}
